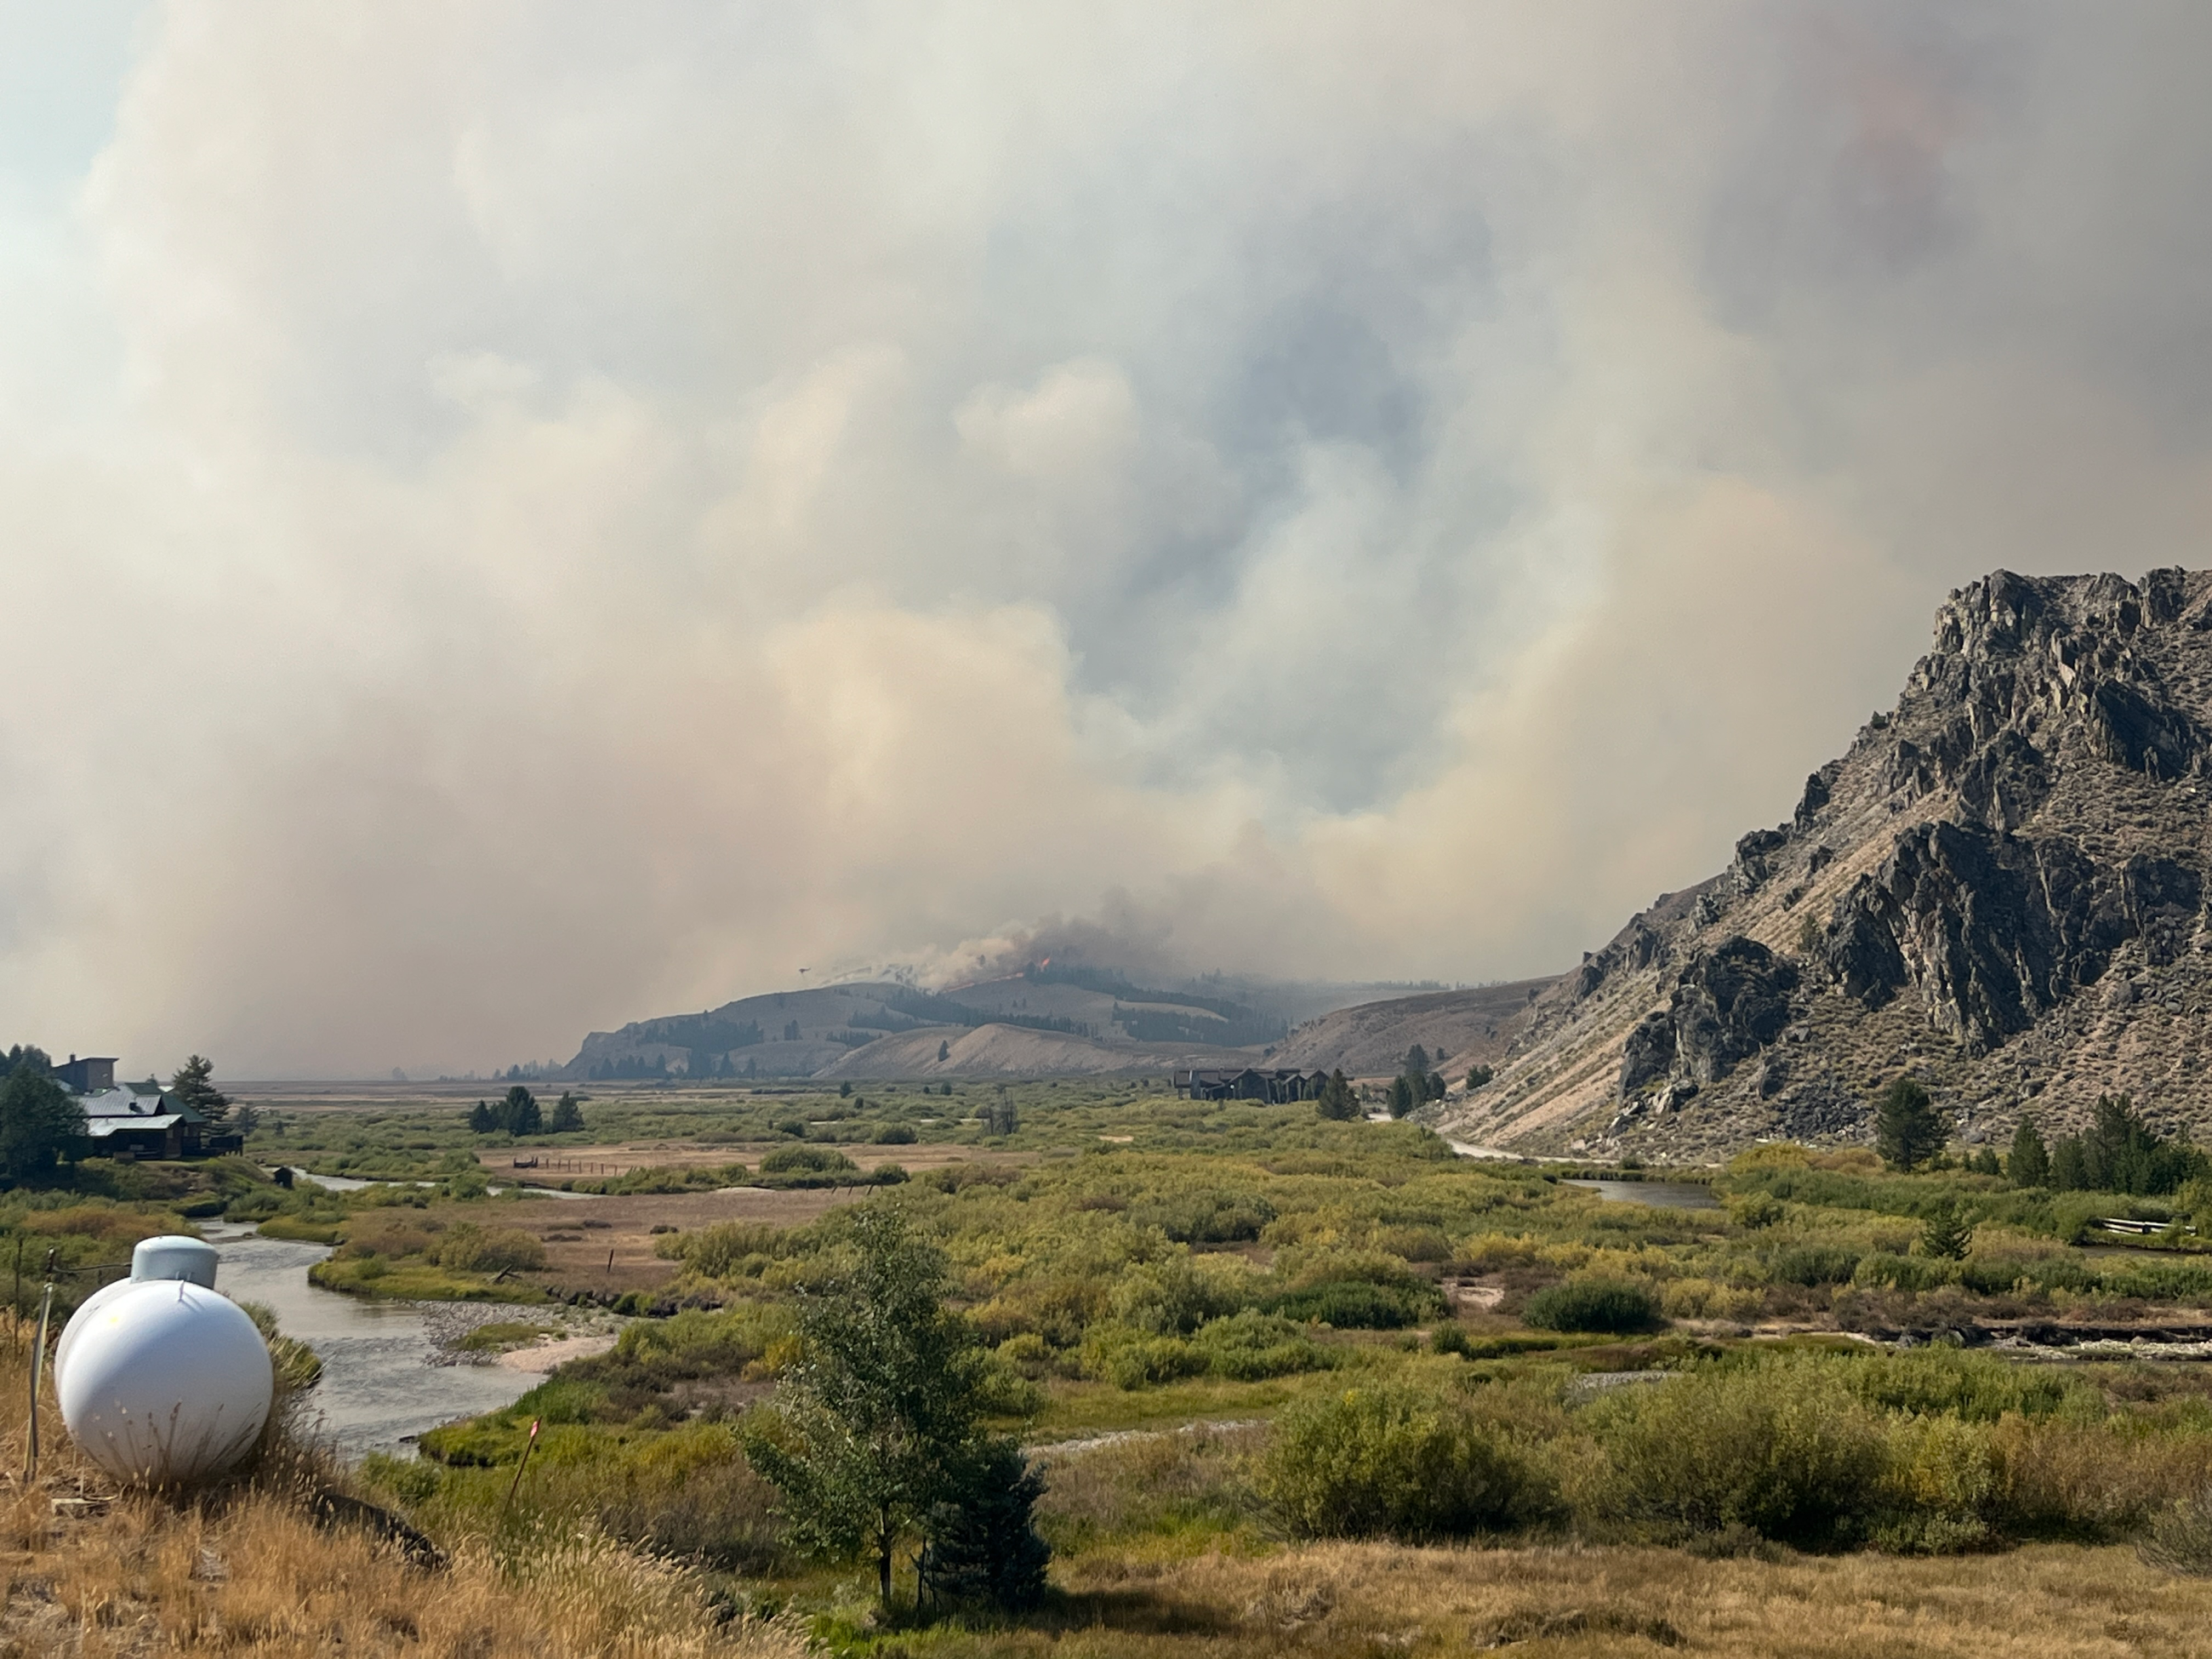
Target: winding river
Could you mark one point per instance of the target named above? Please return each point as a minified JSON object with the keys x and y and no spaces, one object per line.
{"x":379,"y":1388}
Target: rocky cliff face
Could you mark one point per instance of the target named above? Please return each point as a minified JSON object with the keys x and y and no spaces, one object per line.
{"x":2000,"y":890}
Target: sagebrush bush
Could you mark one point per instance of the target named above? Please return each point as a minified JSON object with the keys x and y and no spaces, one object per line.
{"x":1394,"y":1462}
{"x":1593,"y":1304}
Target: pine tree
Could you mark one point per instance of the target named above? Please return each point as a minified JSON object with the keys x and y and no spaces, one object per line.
{"x":194,"y":1085}
{"x":2030,"y":1163}
{"x":519,"y":1114}
{"x":1907,"y":1131}
{"x":944,"y":1051}
{"x":1947,"y":1234}
{"x":483,"y":1120}
{"x":1401,"y":1096}
{"x":1337,"y":1099}
{"x":982,"y":1539}
{"x":567,"y":1116}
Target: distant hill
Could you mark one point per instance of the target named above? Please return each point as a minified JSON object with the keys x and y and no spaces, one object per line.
{"x":1370,"y":1040}
{"x":1046,"y":1020}
{"x":1014,"y":1051}
{"x":2000,"y":890}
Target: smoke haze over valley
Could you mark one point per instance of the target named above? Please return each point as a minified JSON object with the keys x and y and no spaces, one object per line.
{"x":519,"y":519}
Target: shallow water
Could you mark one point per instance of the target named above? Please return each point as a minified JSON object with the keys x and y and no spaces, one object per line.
{"x":1659,"y":1194}
{"x":377,"y":1389}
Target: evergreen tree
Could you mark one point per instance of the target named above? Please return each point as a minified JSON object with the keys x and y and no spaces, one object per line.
{"x":1479,"y":1077}
{"x":194,"y":1085}
{"x":24,"y":1053}
{"x":2069,"y":1169}
{"x":1947,"y":1234}
{"x":2030,"y":1163}
{"x":944,"y":1051}
{"x":567,"y":1116}
{"x":519,"y":1114}
{"x":1401,"y":1096}
{"x":1984,"y":1162}
{"x":1337,"y":1099}
{"x":483,"y":1119}
{"x":1907,"y":1131}
{"x":38,"y":1122}
{"x":983,"y":1544}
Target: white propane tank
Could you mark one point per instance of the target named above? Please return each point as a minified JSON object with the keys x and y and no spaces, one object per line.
{"x":172,"y":1256}
{"x":167,"y":1382}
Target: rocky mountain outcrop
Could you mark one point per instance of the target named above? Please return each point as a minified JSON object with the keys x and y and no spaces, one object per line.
{"x":1999,"y":889}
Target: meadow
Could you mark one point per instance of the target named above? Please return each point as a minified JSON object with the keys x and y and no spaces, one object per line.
{"x":1296,"y":1383}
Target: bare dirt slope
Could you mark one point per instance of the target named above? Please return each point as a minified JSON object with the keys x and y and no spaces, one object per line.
{"x":1999,"y":889}
{"x":1472,"y":1027}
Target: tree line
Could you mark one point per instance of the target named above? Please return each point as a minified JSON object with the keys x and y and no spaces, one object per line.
{"x":520,"y":1114}
{"x":2118,"y":1153}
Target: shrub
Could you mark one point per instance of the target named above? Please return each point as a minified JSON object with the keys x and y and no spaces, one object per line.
{"x":1902,"y":1273}
{"x":503,"y":1249}
{"x":2179,"y":1539}
{"x":723,"y":1248}
{"x":1593,"y":1304}
{"x":1206,"y":1217}
{"x":1130,"y":1359}
{"x":1752,"y":1210}
{"x":1976,"y":1387}
{"x":1815,"y":1264}
{"x":893,"y":1135}
{"x":1355,"y":1305}
{"x":1782,"y":1448}
{"x":1177,"y":1294}
{"x":807,"y":1160}
{"x":1942,"y":1487}
{"x":1393,"y":1462}
{"x":1250,"y":1345}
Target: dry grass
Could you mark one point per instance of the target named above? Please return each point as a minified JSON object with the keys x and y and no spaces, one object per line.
{"x":91,"y":1571}
{"x":2035,"y":1603}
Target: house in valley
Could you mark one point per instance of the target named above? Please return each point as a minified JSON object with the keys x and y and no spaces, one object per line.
{"x":121,"y":1122}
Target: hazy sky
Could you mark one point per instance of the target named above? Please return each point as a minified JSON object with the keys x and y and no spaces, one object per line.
{"x":515,"y":517}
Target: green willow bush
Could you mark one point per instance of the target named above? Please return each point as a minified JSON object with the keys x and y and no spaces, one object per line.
{"x":1397,"y":1462}
{"x":1593,"y":1304}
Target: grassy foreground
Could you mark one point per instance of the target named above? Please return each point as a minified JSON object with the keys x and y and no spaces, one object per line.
{"x":244,"y":1570}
